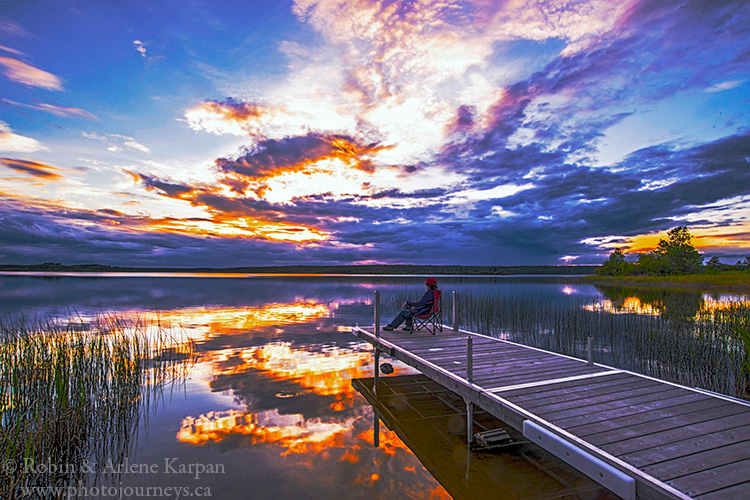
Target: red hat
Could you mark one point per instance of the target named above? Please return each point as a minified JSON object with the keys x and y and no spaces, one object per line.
{"x":430,"y":281}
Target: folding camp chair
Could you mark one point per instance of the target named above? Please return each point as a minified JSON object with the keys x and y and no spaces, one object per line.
{"x":431,"y":321}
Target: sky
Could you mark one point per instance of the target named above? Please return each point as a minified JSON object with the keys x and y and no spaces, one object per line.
{"x":229,"y":133}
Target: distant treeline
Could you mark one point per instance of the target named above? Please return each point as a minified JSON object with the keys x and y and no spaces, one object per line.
{"x":302,"y":269}
{"x":674,"y":256}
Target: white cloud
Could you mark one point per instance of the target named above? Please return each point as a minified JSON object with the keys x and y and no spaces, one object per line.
{"x":53,"y":109}
{"x":18,"y":143}
{"x":12,"y":51}
{"x":13,"y":30}
{"x":722,"y":86}
{"x":502,"y":213}
{"x":502,"y":191}
{"x":26,"y":74}
{"x":116,"y":142}
{"x":140,"y":47}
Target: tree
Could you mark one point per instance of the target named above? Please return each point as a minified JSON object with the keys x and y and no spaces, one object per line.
{"x":616,"y":265}
{"x":714,"y":263}
{"x":677,"y":253}
{"x":651,"y":263}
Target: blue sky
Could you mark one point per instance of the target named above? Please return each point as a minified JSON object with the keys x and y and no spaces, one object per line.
{"x":196,"y":133}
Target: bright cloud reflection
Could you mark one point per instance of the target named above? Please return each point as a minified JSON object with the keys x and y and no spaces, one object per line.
{"x":292,"y":432}
{"x":201,"y":323}
{"x":296,"y":399}
{"x":327,"y":373}
{"x":635,"y":305}
{"x":630,"y":305}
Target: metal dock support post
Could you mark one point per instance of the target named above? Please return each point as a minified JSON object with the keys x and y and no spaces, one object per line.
{"x":376,"y":428}
{"x":377,"y":352}
{"x":455,"y":311}
{"x":590,"y":350}
{"x":470,"y":378}
{"x":377,"y":372}
{"x":377,"y":313}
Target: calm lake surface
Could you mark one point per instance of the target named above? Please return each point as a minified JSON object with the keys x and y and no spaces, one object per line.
{"x":268,"y":409}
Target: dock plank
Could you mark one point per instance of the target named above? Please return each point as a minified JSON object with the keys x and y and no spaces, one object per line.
{"x":661,"y":395}
{"x":647,"y":416}
{"x":669,"y":436}
{"x":736,"y":492}
{"x":592,"y":398}
{"x":714,"y":479}
{"x":612,"y":382}
{"x":684,"y":447}
{"x":501,"y":379}
{"x":663,"y":424}
{"x":615,"y":411}
{"x":702,"y":461}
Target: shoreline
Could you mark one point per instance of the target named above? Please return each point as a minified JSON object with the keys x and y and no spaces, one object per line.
{"x":721,"y":281}
{"x":366,"y":270}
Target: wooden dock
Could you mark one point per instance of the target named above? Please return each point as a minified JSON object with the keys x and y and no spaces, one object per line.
{"x":642,"y":438}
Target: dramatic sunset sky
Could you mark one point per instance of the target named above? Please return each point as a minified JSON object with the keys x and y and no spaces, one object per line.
{"x":228,"y":133}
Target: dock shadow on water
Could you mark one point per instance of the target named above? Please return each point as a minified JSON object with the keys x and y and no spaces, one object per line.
{"x":431,"y":420}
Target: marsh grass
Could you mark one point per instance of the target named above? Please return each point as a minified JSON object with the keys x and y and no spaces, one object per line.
{"x":709,"y":349}
{"x":73,"y":392}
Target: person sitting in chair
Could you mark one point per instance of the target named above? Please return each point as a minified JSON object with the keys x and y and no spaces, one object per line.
{"x":414,"y":308}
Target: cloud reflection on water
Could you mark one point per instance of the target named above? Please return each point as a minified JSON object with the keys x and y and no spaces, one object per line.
{"x":292,"y":395}
{"x":649,"y":303}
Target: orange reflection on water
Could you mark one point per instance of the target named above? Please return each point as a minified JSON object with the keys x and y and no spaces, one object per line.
{"x":327,"y":372}
{"x":634,"y":305}
{"x":630,"y":305}
{"x":723,"y":302}
{"x":203,"y":322}
{"x":289,"y":431}
{"x":227,"y":320}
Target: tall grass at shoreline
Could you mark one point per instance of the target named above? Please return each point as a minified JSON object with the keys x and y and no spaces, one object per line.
{"x":710,"y":350}
{"x":72,"y":393}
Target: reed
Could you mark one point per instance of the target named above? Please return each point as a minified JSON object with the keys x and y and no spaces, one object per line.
{"x":710,"y":349}
{"x":72,"y":393}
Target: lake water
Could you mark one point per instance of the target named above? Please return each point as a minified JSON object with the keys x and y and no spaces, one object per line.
{"x":268,"y":409}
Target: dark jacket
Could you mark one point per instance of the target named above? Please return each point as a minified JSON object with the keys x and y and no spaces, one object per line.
{"x":424,"y":305}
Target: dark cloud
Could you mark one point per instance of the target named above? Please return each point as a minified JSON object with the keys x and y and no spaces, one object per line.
{"x":272,"y":156}
{"x":36,"y":169}
{"x":166,"y":188}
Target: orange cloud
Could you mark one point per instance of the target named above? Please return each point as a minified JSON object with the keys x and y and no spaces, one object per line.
{"x":29,"y":75}
{"x":239,"y":221}
{"x":237,"y":227}
{"x":38,"y":170}
{"x":231,"y":117}
{"x":703,"y":238}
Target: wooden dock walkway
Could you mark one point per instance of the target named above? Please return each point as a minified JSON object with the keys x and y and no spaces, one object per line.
{"x":642,"y":438}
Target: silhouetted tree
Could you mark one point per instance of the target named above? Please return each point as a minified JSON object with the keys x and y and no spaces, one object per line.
{"x":675,"y":255}
{"x":678,"y":253}
{"x":616,"y":265}
{"x":714,"y":263}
